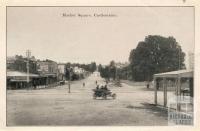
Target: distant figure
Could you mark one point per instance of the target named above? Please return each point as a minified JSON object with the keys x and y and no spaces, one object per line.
{"x":97,"y":88}
{"x":105,"y":87}
{"x":102,"y":88}
{"x":21,"y":85}
{"x":148,"y":85}
{"x":157,"y":85}
{"x":96,"y":82}
{"x":83,"y":84}
{"x":34,"y":85}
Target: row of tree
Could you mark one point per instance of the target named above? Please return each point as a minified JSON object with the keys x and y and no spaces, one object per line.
{"x":88,"y":67}
{"x":108,"y":71}
{"x":155,"y":54}
{"x":69,"y":74}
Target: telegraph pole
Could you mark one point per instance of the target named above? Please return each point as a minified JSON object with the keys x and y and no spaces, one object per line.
{"x":69,"y":82}
{"x":179,"y":60}
{"x":28,"y":54}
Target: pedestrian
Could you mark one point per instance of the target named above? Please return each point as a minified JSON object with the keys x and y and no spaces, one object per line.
{"x":105,"y":87}
{"x":148,"y":85}
{"x":102,"y":87}
{"x":157,"y":85}
{"x":83,"y":84}
{"x":96,"y":82}
{"x":97,"y":88}
{"x":21,"y":85}
{"x":34,"y":85}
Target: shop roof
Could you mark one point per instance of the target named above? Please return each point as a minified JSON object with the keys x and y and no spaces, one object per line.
{"x":173,"y":74}
{"x":20,"y":74}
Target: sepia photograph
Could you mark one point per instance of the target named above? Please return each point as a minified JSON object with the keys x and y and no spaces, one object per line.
{"x":100,"y":65}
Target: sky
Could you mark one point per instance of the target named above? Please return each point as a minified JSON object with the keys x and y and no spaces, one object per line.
{"x":49,"y":35}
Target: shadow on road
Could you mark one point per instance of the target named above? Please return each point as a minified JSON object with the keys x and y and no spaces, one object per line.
{"x":152,"y":108}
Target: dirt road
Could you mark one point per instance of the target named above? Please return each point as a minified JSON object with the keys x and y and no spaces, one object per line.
{"x":56,"y":106}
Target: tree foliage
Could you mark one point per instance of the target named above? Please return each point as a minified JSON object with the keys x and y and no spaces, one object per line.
{"x":112,"y":70}
{"x":104,"y":72}
{"x":109,"y":71}
{"x":87,"y":67}
{"x":155,"y":54}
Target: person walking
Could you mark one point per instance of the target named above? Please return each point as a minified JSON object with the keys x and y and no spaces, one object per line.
{"x":34,"y":85}
{"x":147,"y":85}
{"x":157,"y":85}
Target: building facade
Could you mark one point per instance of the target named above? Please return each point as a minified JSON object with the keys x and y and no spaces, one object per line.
{"x":17,"y":75}
{"x":19,"y":63}
{"x":61,"y":72}
{"x":48,"y":71}
{"x":191,"y":60}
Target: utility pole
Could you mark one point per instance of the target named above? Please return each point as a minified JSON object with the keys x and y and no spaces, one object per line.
{"x":28,"y":54}
{"x":69,"y":82}
{"x":179,"y":58}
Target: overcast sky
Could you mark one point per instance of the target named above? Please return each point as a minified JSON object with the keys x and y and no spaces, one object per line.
{"x":48,"y":34}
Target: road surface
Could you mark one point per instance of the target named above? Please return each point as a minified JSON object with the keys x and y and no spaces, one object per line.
{"x":55,"y":106}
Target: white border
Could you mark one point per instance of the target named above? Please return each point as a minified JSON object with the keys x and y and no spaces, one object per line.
{"x":5,"y":3}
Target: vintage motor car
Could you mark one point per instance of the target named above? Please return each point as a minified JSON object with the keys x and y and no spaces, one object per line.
{"x":103,"y":93}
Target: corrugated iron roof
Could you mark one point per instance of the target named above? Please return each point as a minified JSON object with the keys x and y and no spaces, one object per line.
{"x":20,"y":74}
{"x":180,"y":73}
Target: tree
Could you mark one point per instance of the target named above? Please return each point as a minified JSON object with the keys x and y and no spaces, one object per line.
{"x":124,"y":72}
{"x":155,"y":54}
{"x":112,"y":69}
{"x":93,"y":67}
{"x":100,"y":67}
{"x":67,"y":73}
{"x":104,"y":72}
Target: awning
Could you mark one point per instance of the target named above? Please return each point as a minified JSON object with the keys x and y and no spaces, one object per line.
{"x":20,"y":74}
{"x":14,"y":80}
{"x":48,"y":75}
{"x":174,"y":74}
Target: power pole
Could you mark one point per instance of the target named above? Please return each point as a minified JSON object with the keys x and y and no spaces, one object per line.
{"x":69,"y":82}
{"x":28,"y":54}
